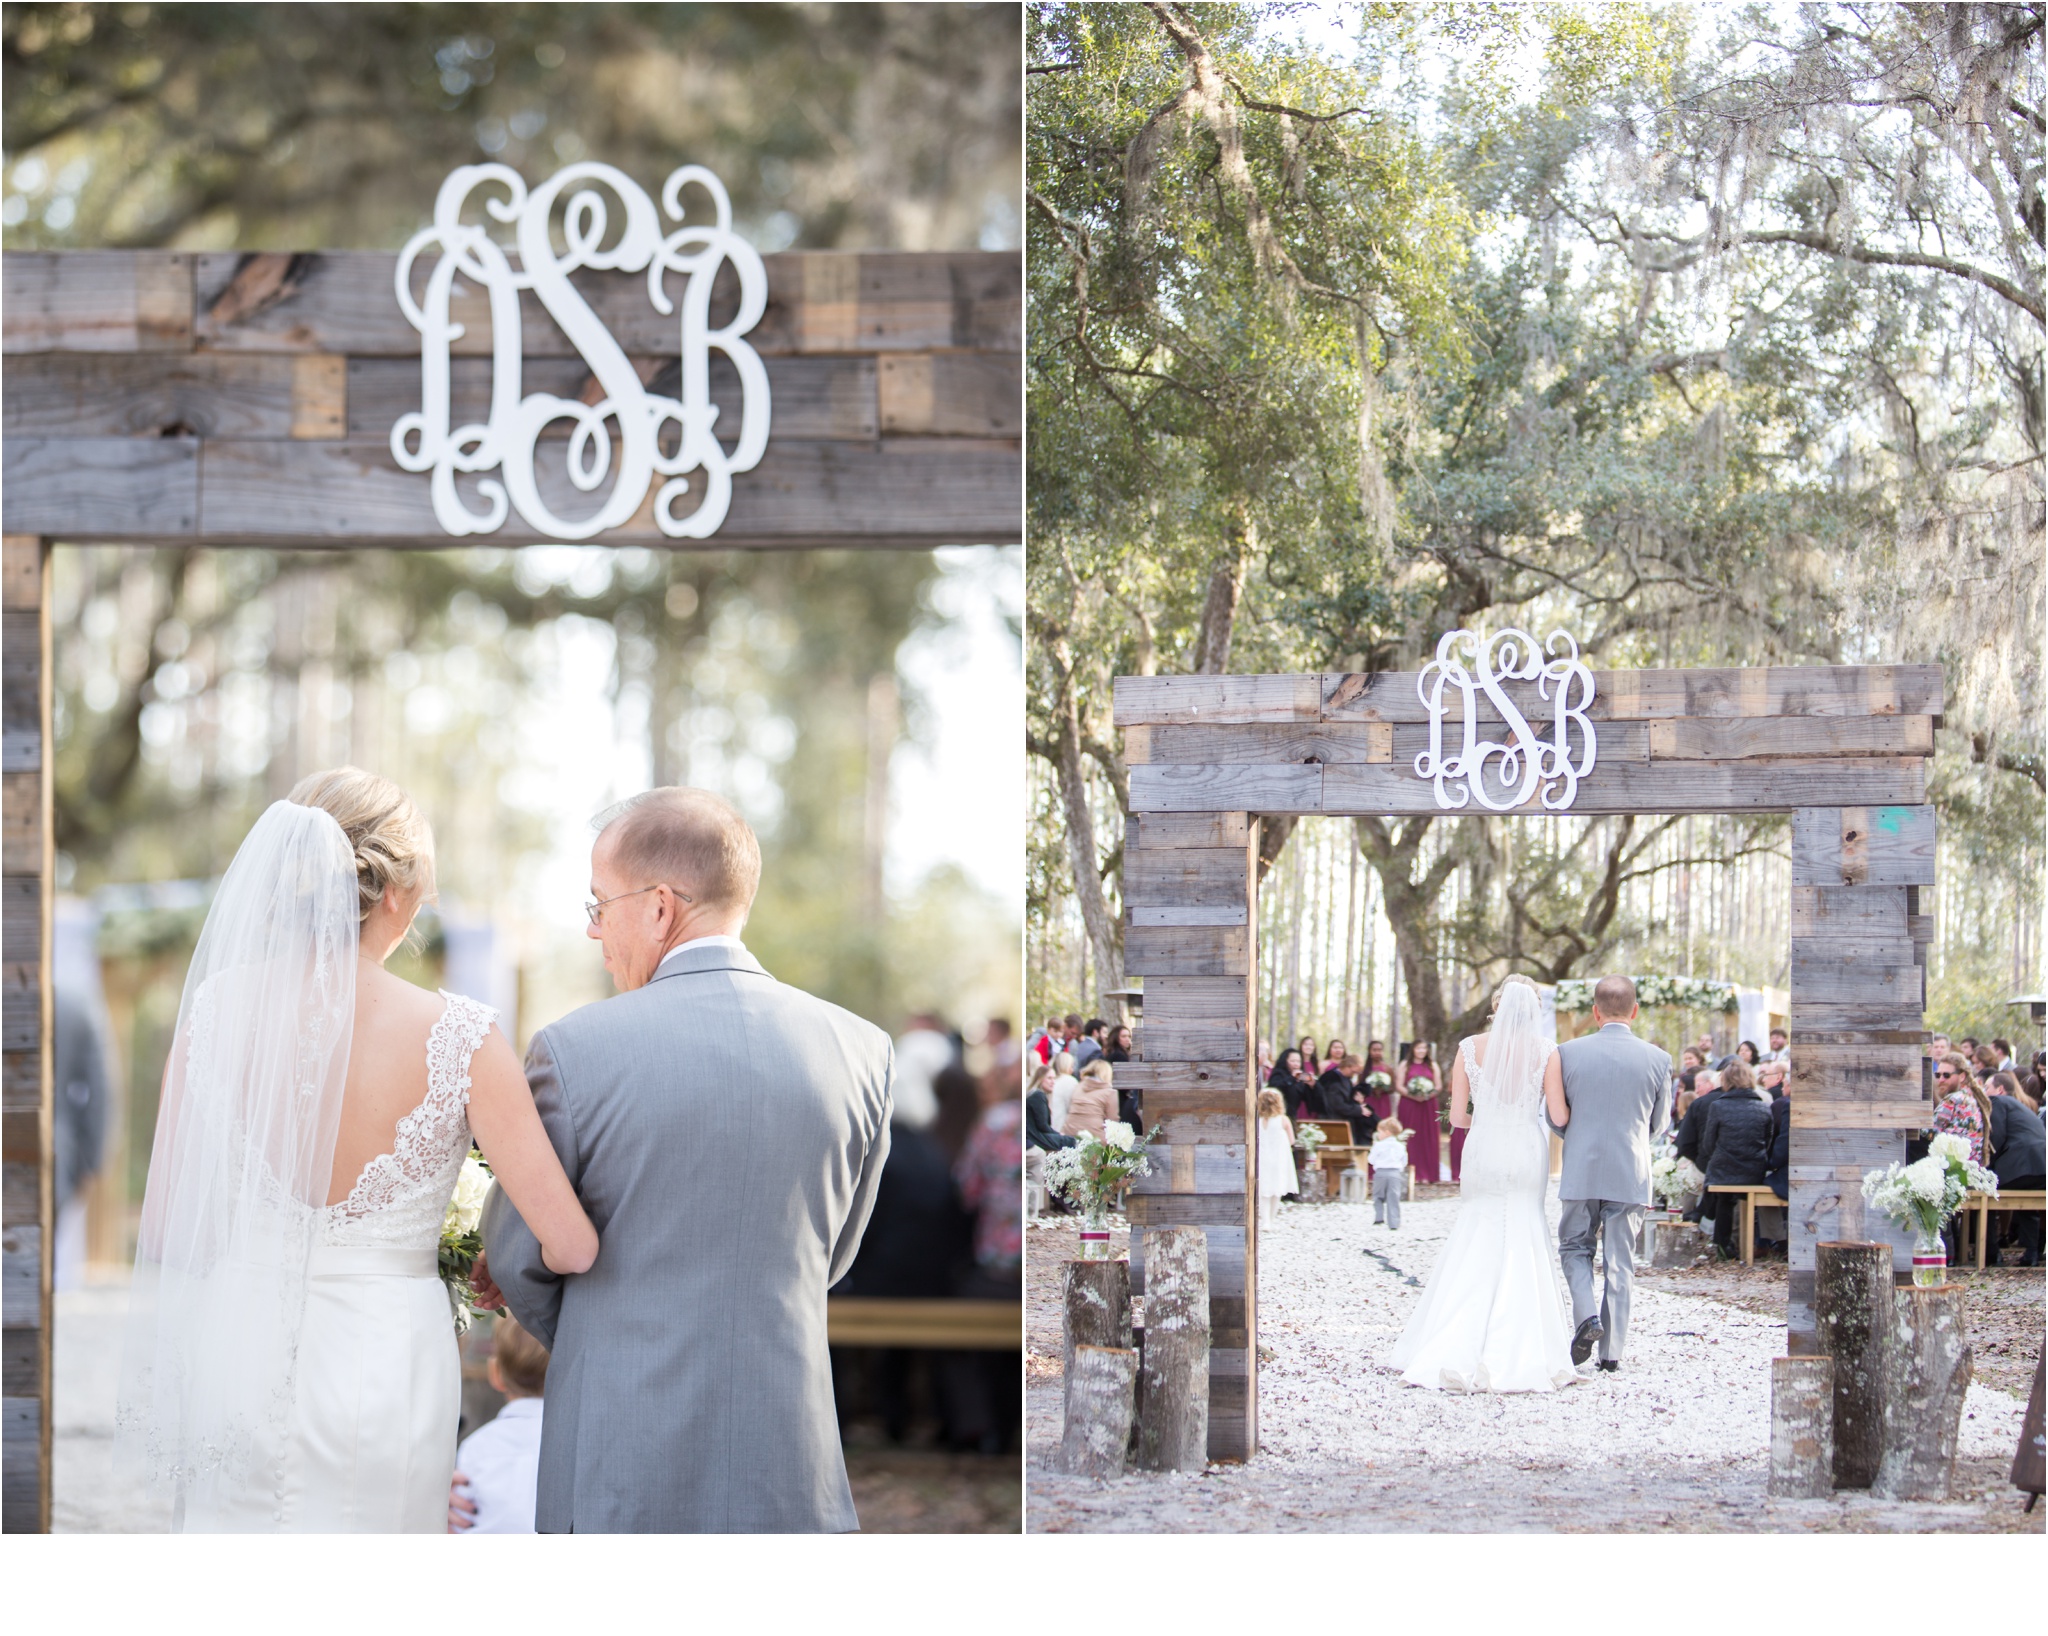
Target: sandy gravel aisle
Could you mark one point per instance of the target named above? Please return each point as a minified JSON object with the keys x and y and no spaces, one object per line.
{"x":1676,"y":1441}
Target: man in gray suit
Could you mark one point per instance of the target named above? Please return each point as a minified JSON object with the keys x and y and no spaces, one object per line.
{"x":726,"y":1134}
{"x":1619,"y":1091}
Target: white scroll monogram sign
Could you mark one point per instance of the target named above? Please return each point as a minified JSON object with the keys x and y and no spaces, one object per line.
{"x":1504,"y":776}
{"x":425,"y":442}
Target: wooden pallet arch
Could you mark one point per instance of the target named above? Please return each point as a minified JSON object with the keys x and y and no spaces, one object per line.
{"x":1843,"y":749}
{"x":165,"y":398}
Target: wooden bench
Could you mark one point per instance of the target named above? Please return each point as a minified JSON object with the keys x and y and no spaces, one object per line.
{"x":1754,"y":1198}
{"x":1336,"y":1155}
{"x":1978,"y":1206}
{"x":946,"y":1325}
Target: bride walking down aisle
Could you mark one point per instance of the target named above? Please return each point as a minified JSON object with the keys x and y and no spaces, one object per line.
{"x":1490,"y":1319}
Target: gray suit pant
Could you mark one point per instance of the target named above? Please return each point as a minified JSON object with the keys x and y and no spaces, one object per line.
{"x":1613,"y":1225}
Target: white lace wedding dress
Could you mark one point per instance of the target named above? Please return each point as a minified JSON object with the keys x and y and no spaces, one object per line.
{"x":1490,"y":1319}
{"x":369,"y":1439}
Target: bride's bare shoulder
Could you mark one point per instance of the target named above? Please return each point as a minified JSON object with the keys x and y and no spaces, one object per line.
{"x":388,"y":1002}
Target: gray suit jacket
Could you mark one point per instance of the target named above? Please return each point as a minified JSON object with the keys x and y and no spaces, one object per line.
{"x":726,"y":1133}
{"x":1619,"y":1091}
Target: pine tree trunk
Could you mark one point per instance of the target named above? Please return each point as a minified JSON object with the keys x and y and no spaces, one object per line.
{"x":1097,"y":1432}
{"x":1095,"y":1306}
{"x":1802,"y":1428}
{"x":1926,"y":1376}
{"x":1173,"y":1420}
{"x":1852,"y":1299}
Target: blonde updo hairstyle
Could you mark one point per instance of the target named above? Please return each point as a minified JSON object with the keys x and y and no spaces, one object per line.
{"x":392,"y":841}
{"x":1508,"y":982}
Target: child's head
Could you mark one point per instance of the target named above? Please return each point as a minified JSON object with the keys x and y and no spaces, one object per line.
{"x":519,"y":1363}
{"x":1272,"y":1105}
{"x":1390,"y":1129}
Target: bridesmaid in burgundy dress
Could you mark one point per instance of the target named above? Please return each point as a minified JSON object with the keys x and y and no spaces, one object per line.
{"x":1418,"y":1111}
{"x":1379,"y":1097}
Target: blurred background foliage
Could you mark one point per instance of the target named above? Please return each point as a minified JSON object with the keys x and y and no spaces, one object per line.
{"x":1712,"y":334}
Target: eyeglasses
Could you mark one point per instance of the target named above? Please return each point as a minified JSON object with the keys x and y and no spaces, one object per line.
{"x":1946,"y":1073}
{"x":596,"y":910}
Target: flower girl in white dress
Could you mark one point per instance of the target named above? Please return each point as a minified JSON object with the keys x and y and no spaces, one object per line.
{"x":1276,"y":1154}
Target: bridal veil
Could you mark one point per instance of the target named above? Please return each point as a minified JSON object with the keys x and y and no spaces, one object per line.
{"x":240,"y":1167}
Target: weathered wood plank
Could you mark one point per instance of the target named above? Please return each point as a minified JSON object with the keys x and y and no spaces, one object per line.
{"x":1847,"y":1071}
{"x":1212,"y":788}
{"x":1187,"y":951}
{"x":1826,"y":981}
{"x":1205,"y":1078}
{"x":1850,"y":911}
{"x":1216,"y":914}
{"x":1886,"y":845}
{"x":102,"y":488}
{"x":1187,"y":876}
{"x":802,"y":494}
{"x":344,"y":301}
{"x":1151,"y":699}
{"x":1859,"y":1114}
{"x":1671,"y":786}
{"x":1166,"y":829}
{"x":1695,"y":738}
{"x":96,"y":301}
{"x":1626,"y":695}
{"x":1207,"y":1167}
{"x":175,"y":395}
{"x":1196,"y":999}
{"x":1189,"y":1209}
{"x":1172,"y":1041}
{"x":961,"y":394}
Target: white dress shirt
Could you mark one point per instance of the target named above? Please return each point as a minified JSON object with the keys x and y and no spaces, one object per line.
{"x":717,"y":940}
{"x":501,"y":1459}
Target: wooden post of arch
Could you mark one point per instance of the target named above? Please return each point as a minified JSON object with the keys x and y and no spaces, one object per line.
{"x":1841,"y":748}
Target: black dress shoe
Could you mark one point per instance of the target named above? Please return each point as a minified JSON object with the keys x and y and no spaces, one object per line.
{"x":1584,"y":1339}
{"x":1610,"y":1366}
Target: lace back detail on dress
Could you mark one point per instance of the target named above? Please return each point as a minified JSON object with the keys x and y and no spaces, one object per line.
{"x":401,"y":1196}
{"x":1486,"y":1094}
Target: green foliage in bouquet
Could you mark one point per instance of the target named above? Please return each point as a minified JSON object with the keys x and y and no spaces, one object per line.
{"x":1090,"y":1173}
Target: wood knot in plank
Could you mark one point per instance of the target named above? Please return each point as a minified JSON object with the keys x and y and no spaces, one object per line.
{"x":262,"y":280}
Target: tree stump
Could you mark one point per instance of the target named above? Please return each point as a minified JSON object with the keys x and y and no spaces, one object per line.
{"x":1677,"y":1244}
{"x":1173,"y":1413}
{"x":1095,"y":1304}
{"x":1097,"y":1433}
{"x":1928,"y":1372}
{"x":1852,"y":1303}
{"x":2027,"y":1462}
{"x":1314,"y":1186}
{"x":1802,"y":1428}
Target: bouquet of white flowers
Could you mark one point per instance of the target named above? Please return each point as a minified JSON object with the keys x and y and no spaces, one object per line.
{"x":1925,"y":1193}
{"x":1089,"y":1173}
{"x":1377,"y":1081}
{"x":1673,"y":1178}
{"x":461,"y":1243}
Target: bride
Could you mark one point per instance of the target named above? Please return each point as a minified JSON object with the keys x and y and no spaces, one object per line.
{"x":1490,"y":1320}
{"x":290,"y":1362}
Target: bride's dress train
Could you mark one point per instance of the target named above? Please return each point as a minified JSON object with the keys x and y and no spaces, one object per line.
{"x":1490,"y":1319}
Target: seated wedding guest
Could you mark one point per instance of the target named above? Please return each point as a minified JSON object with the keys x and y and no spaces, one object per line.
{"x":1734,"y":1149}
{"x":2034,"y":1082}
{"x":1778,"y":1051}
{"x":1690,"y":1058}
{"x":498,"y":1464}
{"x":1778,"y":1161}
{"x":1389,"y":1164}
{"x":1705,"y":1089}
{"x":1089,"y":1046}
{"x":959,"y":1095}
{"x":1277,"y":1176}
{"x":1985,"y":1060}
{"x":2004,"y":1050}
{"x":1064,"y":1084}
{"x":1293,"y":1086}
{"x":1960,"y":1108}
{"x":1094,"y":1103}
{"x":1938,"y":1047}
{"x":1417,"y":1110}
{"x":1039,"y":1130}
{"x":1119,"y":1047}
{"x":1747,"y":1054}
{"x":2019,"y":1158}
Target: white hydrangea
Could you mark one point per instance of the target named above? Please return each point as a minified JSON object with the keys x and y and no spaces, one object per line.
{"x":1948,"y":1145}
{"x":1117,"y":1134}
{"x":1928,"y":1178}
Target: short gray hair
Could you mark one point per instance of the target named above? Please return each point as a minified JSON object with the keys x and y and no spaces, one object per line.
{"x":689,"y":840}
